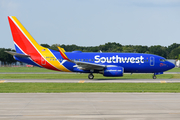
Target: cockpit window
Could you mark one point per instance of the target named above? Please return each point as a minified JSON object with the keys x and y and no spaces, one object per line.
{"x":162,"y":60}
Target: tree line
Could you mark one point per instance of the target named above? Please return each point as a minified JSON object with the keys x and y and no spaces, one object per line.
{"x":6,"y":58}
{"x":170,"y":52}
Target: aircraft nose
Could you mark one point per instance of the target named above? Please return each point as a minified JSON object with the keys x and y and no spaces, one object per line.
{"x":171,"y":65}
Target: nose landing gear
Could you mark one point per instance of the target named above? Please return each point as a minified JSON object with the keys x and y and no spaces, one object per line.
{"x":154,"y":76}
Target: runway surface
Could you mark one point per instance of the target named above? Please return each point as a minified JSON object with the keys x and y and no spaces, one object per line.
{"x":90,"y":81}
{"x":96,"y":106}
{"x":70,"y":73}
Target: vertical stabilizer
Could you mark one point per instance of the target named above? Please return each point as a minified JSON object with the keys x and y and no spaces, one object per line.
{"x":25,"y":44}
{"x":23,"y":41}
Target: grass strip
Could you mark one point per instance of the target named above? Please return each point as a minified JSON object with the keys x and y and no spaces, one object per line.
{"x":88,"y":87}
{"x":37,"y":69}
{"x":24,"y":69}
{"x":174,"y":70}
{"x":84,"y":76}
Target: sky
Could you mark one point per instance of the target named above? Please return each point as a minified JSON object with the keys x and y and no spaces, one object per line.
{"x":94,"y":22}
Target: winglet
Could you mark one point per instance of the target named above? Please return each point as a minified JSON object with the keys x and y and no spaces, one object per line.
{"x":61,"y":50}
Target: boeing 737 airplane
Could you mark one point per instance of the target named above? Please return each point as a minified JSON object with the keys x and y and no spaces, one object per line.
{"x":108,"y":64}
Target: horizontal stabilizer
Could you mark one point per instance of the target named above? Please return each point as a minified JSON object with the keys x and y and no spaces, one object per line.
{"x":17,"y":54}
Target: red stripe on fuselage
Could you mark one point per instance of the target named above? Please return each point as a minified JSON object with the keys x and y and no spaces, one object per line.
{"x":21,"y":40}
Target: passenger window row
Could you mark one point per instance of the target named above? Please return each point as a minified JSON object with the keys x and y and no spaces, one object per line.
{"x":91,"y":60}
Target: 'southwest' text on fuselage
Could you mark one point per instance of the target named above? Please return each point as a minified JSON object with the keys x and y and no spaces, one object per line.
{"x":117,"y":59}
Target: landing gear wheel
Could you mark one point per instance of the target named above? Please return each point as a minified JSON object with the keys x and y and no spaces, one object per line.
{"x":154,"y":76}
{"x":90,"y":76}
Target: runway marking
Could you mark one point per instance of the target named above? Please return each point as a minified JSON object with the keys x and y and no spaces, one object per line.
{"x":162,"y":81}
{"x":81,"y":81}
{"x":2,"y":81}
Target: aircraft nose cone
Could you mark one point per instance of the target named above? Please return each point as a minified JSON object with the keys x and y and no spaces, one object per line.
{"x":171,"y":65}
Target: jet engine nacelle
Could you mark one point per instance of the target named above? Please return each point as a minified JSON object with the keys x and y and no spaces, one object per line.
{"x":113,"y":71}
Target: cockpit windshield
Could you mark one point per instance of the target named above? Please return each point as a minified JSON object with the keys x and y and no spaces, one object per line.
{"x":162,"y":60}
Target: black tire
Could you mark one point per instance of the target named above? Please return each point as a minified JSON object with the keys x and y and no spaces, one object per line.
{"x":154,"y":77}
{"x":91,"y":76}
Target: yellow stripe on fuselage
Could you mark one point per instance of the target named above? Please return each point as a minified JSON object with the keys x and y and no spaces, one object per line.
{"x":54,"y":62}
{"x":45,"y":52}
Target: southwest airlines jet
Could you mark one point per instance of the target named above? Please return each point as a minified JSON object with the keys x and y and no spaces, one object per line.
{"x":108,"y":64}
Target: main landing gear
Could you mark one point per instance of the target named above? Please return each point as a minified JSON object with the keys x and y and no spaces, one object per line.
{"x":90,"y":76}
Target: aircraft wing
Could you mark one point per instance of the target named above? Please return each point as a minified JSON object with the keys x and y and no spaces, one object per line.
{"x":88,"y":66}
{"x":82,"y":65}
{"x":17,"y":54}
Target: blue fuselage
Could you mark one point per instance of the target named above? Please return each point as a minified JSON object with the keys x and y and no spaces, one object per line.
{"x":131,"y":62}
